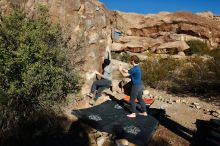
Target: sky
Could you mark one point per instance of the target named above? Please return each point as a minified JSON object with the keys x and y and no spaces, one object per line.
{"x":155,"y":6}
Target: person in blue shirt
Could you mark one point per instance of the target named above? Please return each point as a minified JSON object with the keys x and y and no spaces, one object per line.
{"x":136,"y":89}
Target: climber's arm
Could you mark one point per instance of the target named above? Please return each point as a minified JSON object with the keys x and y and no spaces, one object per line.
{"x":124,"y":72}
{"x":96,"y":72}
{"x":107,"y":54}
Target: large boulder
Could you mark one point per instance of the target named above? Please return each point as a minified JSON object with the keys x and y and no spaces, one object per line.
{"x":86,"y":27}
{"x":152,"y":30}
{"x":132,"y":43}
{"x":180,"y":46}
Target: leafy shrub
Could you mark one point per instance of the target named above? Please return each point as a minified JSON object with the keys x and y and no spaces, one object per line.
{"x":125,"y":57}
{"x":33,"y":62}
{"x":197,"y":47}
{"x":197,"y":74}
{"x":156,"y":70}
{"x":115,"y":55}
{"x":34,"y":71}
{"x":215,"y":53}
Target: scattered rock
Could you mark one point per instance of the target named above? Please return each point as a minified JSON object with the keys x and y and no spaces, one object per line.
{"x":215,"y":114}
{"x":122,"y":142}
{"x":195,"y":103}
{"x":92,"y":138}
{"x":100,"y":141}
{"x":198,"y":107}
{"x":177,"y":101}
{"x":218,"y":111}
{"x":146,"y":92}
{"x":191,"y":105}
{"x":184,"y":101}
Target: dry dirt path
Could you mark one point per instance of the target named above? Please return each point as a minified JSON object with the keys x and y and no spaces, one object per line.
{"x":178,"y":127}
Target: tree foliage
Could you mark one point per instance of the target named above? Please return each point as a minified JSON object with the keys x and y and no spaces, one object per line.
{"x":33,"y":68}
{"x":34,"y":72}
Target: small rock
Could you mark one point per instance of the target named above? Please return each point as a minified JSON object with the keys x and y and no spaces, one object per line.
{"x":171,"y":142}
{"x":207,"y":113}
{"x":161,"y":107}
{"x":184,"y":101}
{"x":168,"y":101}
{"x":93,"y":130}
{"x":92,"y":139}
{"x":192,"y":106}
{"x":206,"y":110}
{"x":98,"y":134}
{"x":198,"y":107}
{"x":146,"y":92}
{"x":122,"y":142}
{"x":195,"y":103}
{"x":177,"y":101}
{"x":100,"y":141}
{"x":218,"y":111}
{"x":215,"y":114}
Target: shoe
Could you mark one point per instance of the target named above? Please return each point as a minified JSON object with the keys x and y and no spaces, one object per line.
{"x":143,"y":114}
{"x":133,"y":115}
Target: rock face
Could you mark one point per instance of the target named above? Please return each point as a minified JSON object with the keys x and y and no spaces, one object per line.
{"x":90,"y":28}
{"x":138,"y":33}
{"x":86,"y":25}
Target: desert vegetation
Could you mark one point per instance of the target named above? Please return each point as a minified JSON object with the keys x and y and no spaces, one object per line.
{"x":199,"y":73}
{"x":35,"y":75}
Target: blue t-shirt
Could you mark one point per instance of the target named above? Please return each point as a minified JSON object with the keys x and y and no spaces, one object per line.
{"x":135,"y":73}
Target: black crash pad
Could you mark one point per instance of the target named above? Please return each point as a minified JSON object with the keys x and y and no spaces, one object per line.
{"x":110,"y":117}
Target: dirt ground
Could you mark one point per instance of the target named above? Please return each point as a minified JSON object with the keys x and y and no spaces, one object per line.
{"x":178,"y":127}
{"x":165,"y":137}
{"x":179,"y":124}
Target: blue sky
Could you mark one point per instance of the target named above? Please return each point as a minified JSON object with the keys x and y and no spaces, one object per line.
{"x":155,"y":6}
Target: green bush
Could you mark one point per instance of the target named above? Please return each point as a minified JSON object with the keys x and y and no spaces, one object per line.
{"x":197,"y":74}
{"x":197,"y":47}
{"x":115,"y":55}
{"x":156,"y":70}
{"x":34,"y":71}
{"x":125,"y":57}
{"x":215,"y":53}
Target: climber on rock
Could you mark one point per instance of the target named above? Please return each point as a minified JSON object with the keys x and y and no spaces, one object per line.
{"x":106,"y":77}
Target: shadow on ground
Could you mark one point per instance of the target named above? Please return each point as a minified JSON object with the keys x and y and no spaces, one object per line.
{"x":76,"y":136}
{"x":77,"y":133}
{"x":161,"y":116}
{"x":195,"y":138}
{"x":208,"y":133}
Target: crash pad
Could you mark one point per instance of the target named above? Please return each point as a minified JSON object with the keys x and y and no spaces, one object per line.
{"x":148,"y":101}
{"x":110,"y":117}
